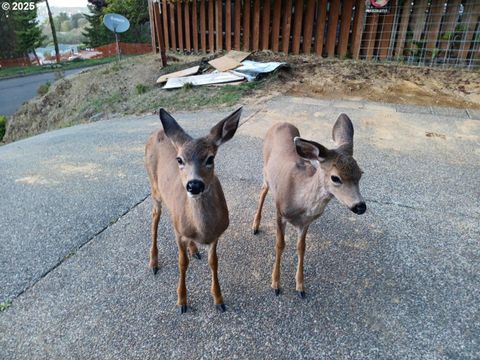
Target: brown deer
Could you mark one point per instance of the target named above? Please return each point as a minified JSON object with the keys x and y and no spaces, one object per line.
{"x":304,"y":176}
{"x":182,"y":177}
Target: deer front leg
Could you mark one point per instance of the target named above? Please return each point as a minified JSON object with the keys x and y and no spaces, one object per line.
{"x":215,"y":290}
{"x":182,"y":268}
{"x":258,"y":214}
{"x":302,"y":233}
{"x":279,"y":246}
{"x":156,"y":212}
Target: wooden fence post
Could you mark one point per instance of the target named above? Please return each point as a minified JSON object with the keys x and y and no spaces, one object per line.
{"x":320,"y":33}
{"x":246,"y":25}
{"x":266,"y":25}
{"x":332,"y":27}
{"x":277,"y":12}
{"x":345,"y":28}
{"x":287,"y":22}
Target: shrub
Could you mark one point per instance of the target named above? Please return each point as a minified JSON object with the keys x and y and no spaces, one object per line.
{"x":141,"y":89}
{"x":3,"y":126}
{"x":43,"y":89}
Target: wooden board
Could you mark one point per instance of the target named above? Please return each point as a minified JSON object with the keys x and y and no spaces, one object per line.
{"x":181,"y":73}
{"x":230,"y":61}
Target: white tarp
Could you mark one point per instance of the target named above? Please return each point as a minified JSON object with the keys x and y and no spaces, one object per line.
{"x":251,"y":69}
{"x":206,"y":79}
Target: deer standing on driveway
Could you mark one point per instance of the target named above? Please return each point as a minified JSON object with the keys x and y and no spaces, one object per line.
{"x":304,"y":176}
{"x":182,"y":177}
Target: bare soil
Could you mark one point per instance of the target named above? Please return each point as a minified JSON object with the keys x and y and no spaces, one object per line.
{"x":129,"y":88}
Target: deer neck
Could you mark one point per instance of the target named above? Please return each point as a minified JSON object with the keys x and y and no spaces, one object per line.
{"x":315,"y":196}
{"x":208,"y":213}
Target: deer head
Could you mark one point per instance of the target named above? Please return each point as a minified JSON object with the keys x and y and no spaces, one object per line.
{"x":195,"y":157}
{"x":339,"y":171}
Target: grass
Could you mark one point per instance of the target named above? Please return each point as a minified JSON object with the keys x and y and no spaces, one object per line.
{"x":141,"y":89}
{"x":3,"y":126}
{"x":43,"y":89}
{"x":34,"y":69}
{"x":5,"y":305}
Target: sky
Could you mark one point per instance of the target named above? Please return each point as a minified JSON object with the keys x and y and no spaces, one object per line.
{"x":67,"y":3}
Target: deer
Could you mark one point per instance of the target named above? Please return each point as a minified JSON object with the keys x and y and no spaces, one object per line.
{"x":304,"y":176}
{"x":182,"y":177}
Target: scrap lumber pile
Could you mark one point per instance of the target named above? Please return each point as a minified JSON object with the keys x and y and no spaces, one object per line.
{"x":231,"y":69}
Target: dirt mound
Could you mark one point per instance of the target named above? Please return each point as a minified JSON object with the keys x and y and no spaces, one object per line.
{"x":129,"y":88}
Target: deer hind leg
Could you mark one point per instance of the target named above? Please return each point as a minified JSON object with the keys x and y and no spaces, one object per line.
{"x":182,"y":269}
{"x":302,"y":233}
{"x":193,"y":250}
{"x":258,"y":214}
{"x":215,"y":290}
{"x":279,"y":246}
{"x":156,"y":212}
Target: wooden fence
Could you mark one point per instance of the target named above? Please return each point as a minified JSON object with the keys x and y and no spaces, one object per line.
{"x":418,"y":31}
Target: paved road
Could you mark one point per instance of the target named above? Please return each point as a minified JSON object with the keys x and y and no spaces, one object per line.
{"x":399,"y":282}
{"x":14,"y":92}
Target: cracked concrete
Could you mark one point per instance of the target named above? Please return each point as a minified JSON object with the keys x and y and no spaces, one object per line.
{"x":399,"y":282}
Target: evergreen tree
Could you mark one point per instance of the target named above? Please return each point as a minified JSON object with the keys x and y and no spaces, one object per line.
{"x":28,"y":32}
{"x":96,"y":33}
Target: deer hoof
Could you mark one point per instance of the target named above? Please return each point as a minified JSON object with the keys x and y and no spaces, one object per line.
{"x":301,"y":294}
{"x":221,"y":307}
{"x":277,"y":292}
{"x":183,"y":309}
{"x":197,"y":255}
{"x":255,"y":231}
{"x":155,"y":270}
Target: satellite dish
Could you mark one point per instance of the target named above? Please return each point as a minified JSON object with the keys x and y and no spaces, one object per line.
{"x":116,"y":23}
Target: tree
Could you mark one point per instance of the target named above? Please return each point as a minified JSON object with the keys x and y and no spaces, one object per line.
{"x":54,"y":33}
{"x":28,"y":32}
{"x":96,"y":33}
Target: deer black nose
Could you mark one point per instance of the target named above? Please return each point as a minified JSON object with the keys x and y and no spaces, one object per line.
{"x":195,"y":187}
{"x":359,"y":208}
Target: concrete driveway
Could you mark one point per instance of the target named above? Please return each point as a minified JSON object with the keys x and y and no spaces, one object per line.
{"x":401,"y":281}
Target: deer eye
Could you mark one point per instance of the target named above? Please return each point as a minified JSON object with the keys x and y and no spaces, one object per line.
{"x":336,"y":179}
{"x":209,"y":161}
{"x":180,"y":161}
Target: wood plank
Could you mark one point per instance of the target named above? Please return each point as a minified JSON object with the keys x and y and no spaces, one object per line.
{"x":297,"y":26}
{"x":203,"y":27}
{"x":211,"y":27}
{"x":228,"y":25}
{"x":370,"y":35}
{"x":165,"y":23}
{"x":345,"y":28}
{"x":357,"y":31}
{"x":332,"y":27}
{"x":186,"y":13}
{"x":195,"y":25}
{"x":434,"y":22}
{"x":402,"y":29}
{"x":153,"y":26}
{"x":385,"y":36}
{"x":173,"y":36}
{"x":286,"y":25}
{"x":277,"y":11}
{"x":472,"y":11}
{"x":246,"y":25}
{"x":219,"y":24}
{"x":266,"y":25}
{"x":449,"y":23}
{"x":159,"y":35}
{"x":179,"y":26}
{"x":256,"y":25}
{"x":308,"y":26}
{"x":238,"y":22}
{"x":185,"y":72}
{"x":320,"y":31}
{"x":419,"y":17}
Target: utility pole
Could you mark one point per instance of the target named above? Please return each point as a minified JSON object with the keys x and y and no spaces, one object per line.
{"x":54,"y":33}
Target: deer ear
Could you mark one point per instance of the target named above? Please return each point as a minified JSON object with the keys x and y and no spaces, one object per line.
{"x":173,"y":131}
{"x":310,"y":150}
{"x":342,"y":134}
{"x":225,"y":129}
